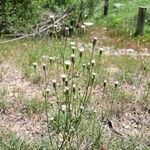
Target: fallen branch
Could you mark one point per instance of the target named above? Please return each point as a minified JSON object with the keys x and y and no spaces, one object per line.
{"x":38,"y":32}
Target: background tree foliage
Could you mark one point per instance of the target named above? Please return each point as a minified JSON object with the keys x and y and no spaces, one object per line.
{"x":18,"y":15}
{"x":23,"y":15}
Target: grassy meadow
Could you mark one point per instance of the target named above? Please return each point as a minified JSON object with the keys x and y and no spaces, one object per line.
{"x":73,"y":93}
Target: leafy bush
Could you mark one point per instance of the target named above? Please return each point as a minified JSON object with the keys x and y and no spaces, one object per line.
{"x":18,"y":15}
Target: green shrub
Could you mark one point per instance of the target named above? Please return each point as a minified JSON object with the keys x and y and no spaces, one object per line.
{"x":17,"y":16}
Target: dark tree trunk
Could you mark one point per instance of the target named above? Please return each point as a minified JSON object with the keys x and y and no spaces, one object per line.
{"x":106,"y":7}
{"x":140,"y":21}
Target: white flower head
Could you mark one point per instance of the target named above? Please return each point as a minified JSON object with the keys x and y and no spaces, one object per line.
{"x":51,"y":59}
{"x":51,"y":118}
{"x":93,"y":62}
{"x":54,"y":81}
{"x":81,"y":49}
{"x":83,"y":26}
{"x":74,"y":88}
{"x":81,"y":107}
{"x":35,"y":64}
{"x":72,"y":55}
{"x":63,"y":107}
{"x":116,"y":84}
{"x":63,"y":76}
{"x":72,"y":44}
{"x":47,"y":90}
{"x":45,"y":57}
{"x":93,"y":74}
{"x":66,"y":88}
{"x":52,"y":16}
{"x":68,"y":62}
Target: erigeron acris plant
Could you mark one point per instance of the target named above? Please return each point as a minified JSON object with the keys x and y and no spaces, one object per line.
{"x":72,"y":99}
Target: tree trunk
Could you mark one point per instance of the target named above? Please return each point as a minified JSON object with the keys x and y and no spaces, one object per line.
{"x":106,"y":6}
{"x":140,"y":21}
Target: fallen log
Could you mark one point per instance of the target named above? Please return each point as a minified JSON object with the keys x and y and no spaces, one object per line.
{"x":37,"y":32}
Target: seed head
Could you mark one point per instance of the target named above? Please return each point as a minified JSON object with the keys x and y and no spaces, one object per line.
{"x":116,"y":84}
{"x":66,"y":83}
{"x":73,"y":49}
{"x":44,"y":66}
{"x":73,"y":58}
{"x":51,"y":59}
{"x":84,"y":65}
{"x":66,"y":90}
{"x":74,"y":88}
{"x":81,"y":51}
{"x":81,"y":107}
{"x":72,"y":44}
{"x":67,"y":63}
{"x":35,"y":65}
{"x":67,"y":31}
{"x":93,"y":62}
{"x":63,"y":107}
{"x":88,"y":66}
{"x":52,"y":17}
{"x":54,"y":84}
{"x":100,"y":51}
{"x":63,"y":76}
{"x":47,"y":91}
{"x":51,"y":118}
{"x":104,"y":84}
{"x":94,"y":41}
{"x":83,"y":26}
{"x":93,"y":76}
